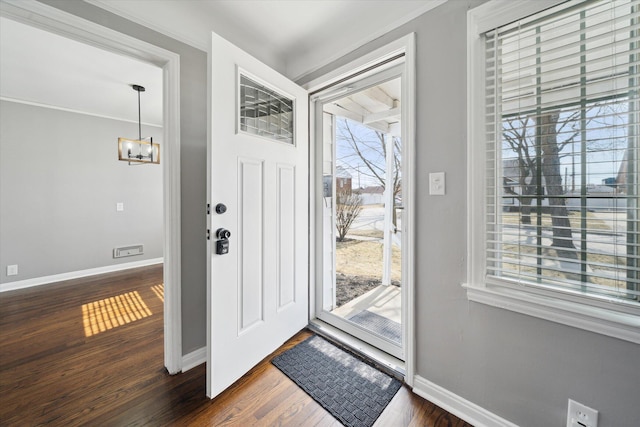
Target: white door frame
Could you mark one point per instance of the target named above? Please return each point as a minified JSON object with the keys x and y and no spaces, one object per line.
{"x":406,"y":46}
{"x":50,"y":19}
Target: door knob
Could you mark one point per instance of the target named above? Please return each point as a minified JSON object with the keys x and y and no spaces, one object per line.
{"x":221,"y":208}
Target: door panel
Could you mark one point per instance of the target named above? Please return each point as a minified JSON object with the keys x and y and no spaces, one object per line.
{"x":250,"y":211}
{"x":258,"y":167}
{"x":286,"y":235}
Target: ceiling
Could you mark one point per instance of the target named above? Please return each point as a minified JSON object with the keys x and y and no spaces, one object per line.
{"x":377,"y":107}
{"x":44,"y":68}
{"x":293,"y":36}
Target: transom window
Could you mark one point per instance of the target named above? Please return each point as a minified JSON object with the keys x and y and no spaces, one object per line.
{"x":561,"y":126}
{"x":265,"y":112}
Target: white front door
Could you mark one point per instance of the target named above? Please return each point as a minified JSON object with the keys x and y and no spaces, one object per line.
{"x":258,"y":169}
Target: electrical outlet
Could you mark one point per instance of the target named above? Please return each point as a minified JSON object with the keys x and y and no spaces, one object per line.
{"x":580,"y":415}
{"x":12,"y":270}
{"x":119,"y":206}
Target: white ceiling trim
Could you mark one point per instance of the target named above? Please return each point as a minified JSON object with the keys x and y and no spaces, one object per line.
{"x":48,"y":18}
{"x":46,"y":68}
{"x":295,"y":66}
{"x":182,"y":36}
{"x":300,"y":73}
{"x":71,"y":110}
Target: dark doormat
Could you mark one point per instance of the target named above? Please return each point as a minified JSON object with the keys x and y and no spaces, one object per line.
{"x":352,"y":391}
{"x":379,"y":325}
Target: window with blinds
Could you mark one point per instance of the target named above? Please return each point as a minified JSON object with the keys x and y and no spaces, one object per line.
{"x":562,"y":130}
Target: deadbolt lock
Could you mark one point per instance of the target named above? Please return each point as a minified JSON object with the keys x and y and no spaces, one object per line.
{"x":222,"y":244}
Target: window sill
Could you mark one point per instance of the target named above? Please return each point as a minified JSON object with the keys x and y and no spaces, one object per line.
{"x":622,"y":323}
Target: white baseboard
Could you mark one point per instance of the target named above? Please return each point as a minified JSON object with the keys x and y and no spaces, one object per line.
{"x":21,"y":284}
{"x":193,"y":359}
{"x":458,"y":406}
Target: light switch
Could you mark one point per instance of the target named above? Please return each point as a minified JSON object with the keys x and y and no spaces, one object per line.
{"x":119,"y":206}
{"x":436,"y":183}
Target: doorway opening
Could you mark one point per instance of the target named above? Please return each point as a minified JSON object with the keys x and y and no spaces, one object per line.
{"x":359,"y":209}
{"x":53,"y":20}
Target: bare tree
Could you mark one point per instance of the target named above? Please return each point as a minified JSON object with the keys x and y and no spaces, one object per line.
{"x":562,"y":237}
{"x":348,"y":207}
{"x":539,"y":143}
{"x":520,"y":134}
{"x":515,"y":133}
{"x":370,"y":151}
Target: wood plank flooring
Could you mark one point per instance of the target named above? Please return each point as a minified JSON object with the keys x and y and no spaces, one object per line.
{"x":90,"y":352}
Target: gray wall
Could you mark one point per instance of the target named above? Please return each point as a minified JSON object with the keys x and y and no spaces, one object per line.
{"x":518,"y":367}
{"x":60,"y":180}
{"x":193,"y":152}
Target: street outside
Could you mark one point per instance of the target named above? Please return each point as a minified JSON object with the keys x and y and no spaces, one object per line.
{"x":608,"y":240}
{"x":370,"y":221}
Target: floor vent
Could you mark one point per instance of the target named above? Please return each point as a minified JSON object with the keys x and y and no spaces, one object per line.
{"x":128,"y":251}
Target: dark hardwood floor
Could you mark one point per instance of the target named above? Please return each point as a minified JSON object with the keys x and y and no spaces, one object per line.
{"x":90,"y":352}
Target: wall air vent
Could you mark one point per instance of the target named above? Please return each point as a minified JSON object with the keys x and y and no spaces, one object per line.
{"x":128,"y":251}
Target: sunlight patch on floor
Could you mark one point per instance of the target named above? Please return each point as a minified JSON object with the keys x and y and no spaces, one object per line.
{"x":108,"y":313}
{"x":159,"y":291}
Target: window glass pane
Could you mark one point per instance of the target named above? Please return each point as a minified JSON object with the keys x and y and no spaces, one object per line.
{"x":265,"y":112}
{"x":562,"y":139}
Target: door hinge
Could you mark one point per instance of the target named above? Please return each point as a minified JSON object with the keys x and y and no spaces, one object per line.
{"x":208,"y":208}
{"x":208,"y":234}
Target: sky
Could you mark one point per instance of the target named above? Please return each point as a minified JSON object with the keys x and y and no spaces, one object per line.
{"x":371,"y":151}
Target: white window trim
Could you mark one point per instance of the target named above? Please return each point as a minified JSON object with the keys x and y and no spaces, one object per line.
{"x":611,"y":318}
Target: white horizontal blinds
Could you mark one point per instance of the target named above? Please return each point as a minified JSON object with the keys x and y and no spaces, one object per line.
{"x":562,"y":125}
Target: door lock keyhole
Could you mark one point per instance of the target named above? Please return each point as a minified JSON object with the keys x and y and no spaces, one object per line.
{"x":222,"y":233}
{"x":222,"y":244}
